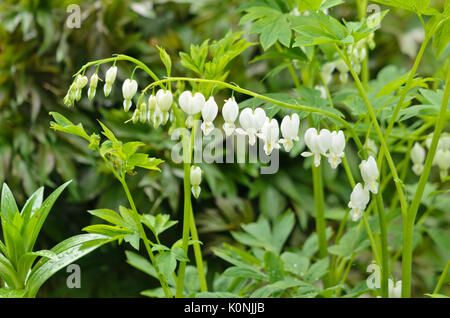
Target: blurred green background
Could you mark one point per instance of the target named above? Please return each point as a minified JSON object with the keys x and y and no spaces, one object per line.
{"x":38,"y":56}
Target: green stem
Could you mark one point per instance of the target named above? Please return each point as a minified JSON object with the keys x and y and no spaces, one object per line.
{"x":320,"y":213}
{"x":442,"y":278}
{"x":198,"y":254}
{"x":359,"y":86}
{"x":384,"y":246}
{"x":408,"y":223}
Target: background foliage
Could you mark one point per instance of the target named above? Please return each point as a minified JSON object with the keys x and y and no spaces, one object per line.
{"x":39,"y":54}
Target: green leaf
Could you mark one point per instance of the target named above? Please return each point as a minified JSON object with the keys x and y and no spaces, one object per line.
{"x":441,"y":36}
{"x":282,"y":228}
{"x":295,"y":263}
{"x":8,"y":207}
{"x":271,"y":24}
{"x":109,"y":216}
{"x":421,"y":7}
{"x":67,"y":252}
{"x":216,"y":295}
{"x":441,"y":238}
{"x":140,"y":263}
{"x":167,"y":264}
{"x":245,"y":272}
{"x":273,"y":266}
{"x":63,"y":124}
{"x":33,"y":204}
{"x":35,"y":224}
{"x":165,"y":58}
{"x":12,"y":293}
{"x":317,"y":270}
{"x":111,"y":231}
{"x":7,"y":272}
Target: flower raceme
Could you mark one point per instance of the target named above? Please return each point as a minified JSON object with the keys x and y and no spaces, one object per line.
{"x":251,"y":123}
{"x":370,"y":173}
{"x":358,"y":201}
{"x":230,"y":111}
{"x":289,"y":130}
{"x":129,"y":89}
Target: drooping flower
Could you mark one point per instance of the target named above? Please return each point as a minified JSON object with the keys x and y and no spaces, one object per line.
{"x":289,"y":130}
{"x":318,"y":144}
{"x":209,"y":113}
{"x":230,"y":111}
{"x":164,"y":99}
{"x":418,"y":158}
{"x":80,"y":82}
{"x":143,"y":112}
{"x":372,"y":147}
{"x":270,"y":133}
{"x":151,"y":109}
{"x":191,"y":105}
{"x":358,"y":201}
{"x":251,"y":122}
{"x":343,"y":70}
{"x":336,"y":148}
{"x":327,"y":71}
{"x":129,"y":89}
{"x":370,"y":174}
{"x":395,"y":289}
{"x":196,"y":179}
{"x":110,"y":77}
{"x":442,"y":160}
{"x":92,"y":86}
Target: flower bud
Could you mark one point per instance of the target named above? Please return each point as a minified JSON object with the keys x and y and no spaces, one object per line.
{"x":110,"y":77}
{"x":209,"y":113}
{"x":92,"y":86}
{"x":196,"y":179}
{"x":370,"y":173}
{"x":129,"y":89}
{"x":417,"y":158}
{"x":230,"y":111}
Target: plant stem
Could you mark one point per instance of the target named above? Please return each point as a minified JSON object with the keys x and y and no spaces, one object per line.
{"x":408,"y":223}
{"x":320,"y":213}
{"x":384,"y":246}
{"x":198,"y":254}
{"x":442,"y":278}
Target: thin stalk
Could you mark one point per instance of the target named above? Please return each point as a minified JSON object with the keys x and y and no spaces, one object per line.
{"x":384,"y":246}
{"x":198,"y":254}
{"x":359,"y":86}
{"x":442,"y":278}
{"x":408,"y":224}
{"x":320,"y":213}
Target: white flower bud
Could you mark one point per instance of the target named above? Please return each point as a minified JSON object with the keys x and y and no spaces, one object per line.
{"x":92,"y":86}
{"x":270,"y":134}
{"x":230,"y":111}
{"x":196,"y":179}
{"x":209,"y":113}
{"x":129,"y":89}
{"x":191,"y":105}
{"x":289,"y":130}
{"x":442,"y":160}
{"x":418,"y":158}
{"x":358,"y":201}
{"x":336,"y":148}
{"x":395,"y":289}
{"x":370,"y":173}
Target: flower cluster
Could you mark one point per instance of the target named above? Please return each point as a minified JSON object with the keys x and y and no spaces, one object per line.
{"x":325,"y":143}
{"x":441,"y":158}
{"x":361,"y":194}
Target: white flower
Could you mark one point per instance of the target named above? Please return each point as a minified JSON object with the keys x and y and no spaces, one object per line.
{"x":409,"y":41}
{"x":143,"y":112}
{"x":318,"y":144}
{"x":336,"y":148}
{"x":442,"y":160}
{"x":196,"y":179}
{"x":164,"y":100}
{"x":370,"y":173}
{"x":110,"y":77}
{"x":209,"y":113}
{"x":251,"y":122}
{"x":191,"y":105}
{"x":343,"y":70}
{"x":157,"y":117}
{"x":418,"y":158}
{"x":372,"y":146}
{"x":289,"y":130}
{"x":395,"y":289}
{"x":151,"y":108}
{"x":358,"y":201}
{"x":129,"y":89}
{"x":327,"y":71}
{"x":230,"y":111}
{"x":322,"y":90}
{"x":92,"y":86}
{"x":270,"y":134}
{"x":80,"y":82}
